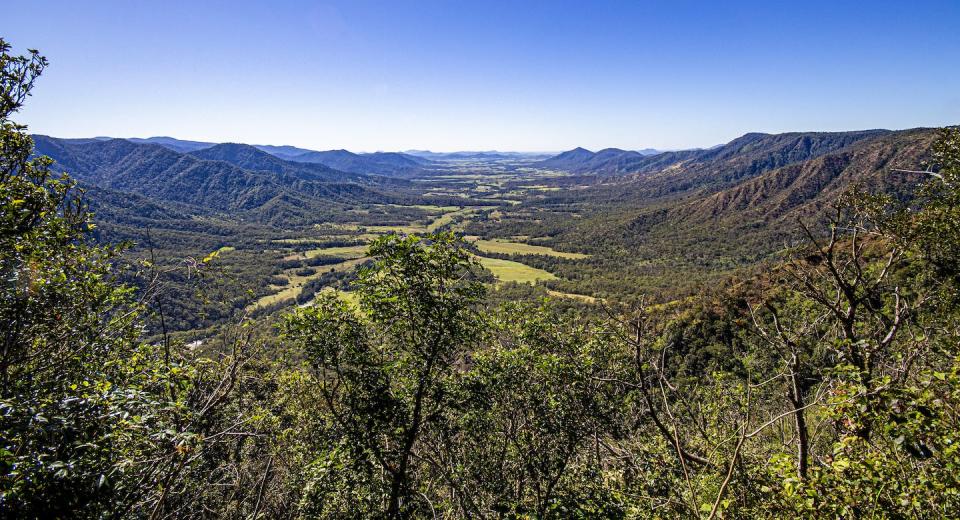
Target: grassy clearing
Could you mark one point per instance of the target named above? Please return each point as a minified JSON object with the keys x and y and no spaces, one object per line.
{"x":288,"y":293}
{"x":498,"y":199}
{"x":429,"y":207}
{"x":581,"y":297}
{"x":510,"y":271}
{"x":448,"y":218}
{"x":474,"y":177}
{"x":441,"y":221}
{"x":517,"y":248}
{"x":336,"y":226}
{"x":410,"y":229}
{"x":295,"y":241}
{"x":372,"y":228}
{"x":296,"y":282}
{"x":341,"y":252}
{"x":350,"y":297}
{"x":541,"y":187}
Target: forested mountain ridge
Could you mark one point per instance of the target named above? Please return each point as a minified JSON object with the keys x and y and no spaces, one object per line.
{"x":211,"y":179}
{"x":251,"y":158}
{"x":802,"y":189}
{"x":698,"y":215}
{"x":285,"y":152}
{"x":606,"y":161}
{"x":376,"y":163}
{"x":760,"y":215}
{"x":177,"y":145}
{"x":380,"y":163}
{"x":694,"y":173}
{"x":773,"y":198}
{"x":745,"y":155}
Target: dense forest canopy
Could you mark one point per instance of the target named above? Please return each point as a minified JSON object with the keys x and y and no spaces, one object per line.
{"x":399,"y":380}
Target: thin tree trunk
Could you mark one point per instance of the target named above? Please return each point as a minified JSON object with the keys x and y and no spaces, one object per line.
{"x":399,"y":484}
{"x":800,"y":420}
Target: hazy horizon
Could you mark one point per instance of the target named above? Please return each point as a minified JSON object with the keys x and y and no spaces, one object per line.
{"x":469,"y":150}
{"x":541,"y":77}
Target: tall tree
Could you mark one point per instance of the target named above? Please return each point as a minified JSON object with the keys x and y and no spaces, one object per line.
{"x":63,"y":324}
{"x":94,"y":422}
{"x":383,"y":367}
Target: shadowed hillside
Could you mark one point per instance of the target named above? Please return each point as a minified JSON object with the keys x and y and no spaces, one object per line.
{"x":267,"y":188}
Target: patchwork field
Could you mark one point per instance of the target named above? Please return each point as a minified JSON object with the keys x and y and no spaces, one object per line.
{"x":510,"y":271}
{"x":519,"y":248}
{"x":296,"y":282}
{"x":581,"y":297}
{"x":484,"y":194}
{"x":342,"y":252}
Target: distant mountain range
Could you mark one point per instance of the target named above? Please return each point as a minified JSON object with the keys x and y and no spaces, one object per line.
{"x":235,"y":178}
{"x":382,"y":163}
{"x":607,"y":161}
{"x":747,"y":154}
{"x":411,"y":162}
{"x":646,"y":178}
{"x":379,"y":163}
{"x":766,"y":176}
{"x":252,"y":158}
{"x":284,"y":152}
{"x":740,"y":198}
{"x":491,"y":155}
{"x":177,"y":145}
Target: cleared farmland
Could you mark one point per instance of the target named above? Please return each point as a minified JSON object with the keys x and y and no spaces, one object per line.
{"x":519,"y":248}
{"x":510,"y":271}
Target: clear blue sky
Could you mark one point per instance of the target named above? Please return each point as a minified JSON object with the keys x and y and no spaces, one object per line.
{"x":509,"y":75}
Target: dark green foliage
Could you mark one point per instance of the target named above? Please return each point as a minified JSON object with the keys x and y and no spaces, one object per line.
{"x":94,"y":422}
{"x":523,"y":441}
{"x":71,"y":409}
{"x":383,"y":373}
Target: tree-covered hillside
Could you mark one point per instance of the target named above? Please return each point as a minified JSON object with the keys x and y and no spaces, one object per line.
{"x":681,"y":224}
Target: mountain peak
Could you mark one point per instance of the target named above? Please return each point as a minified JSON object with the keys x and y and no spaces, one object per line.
{"x":177,"y":145}
{"x":233,"y":152}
